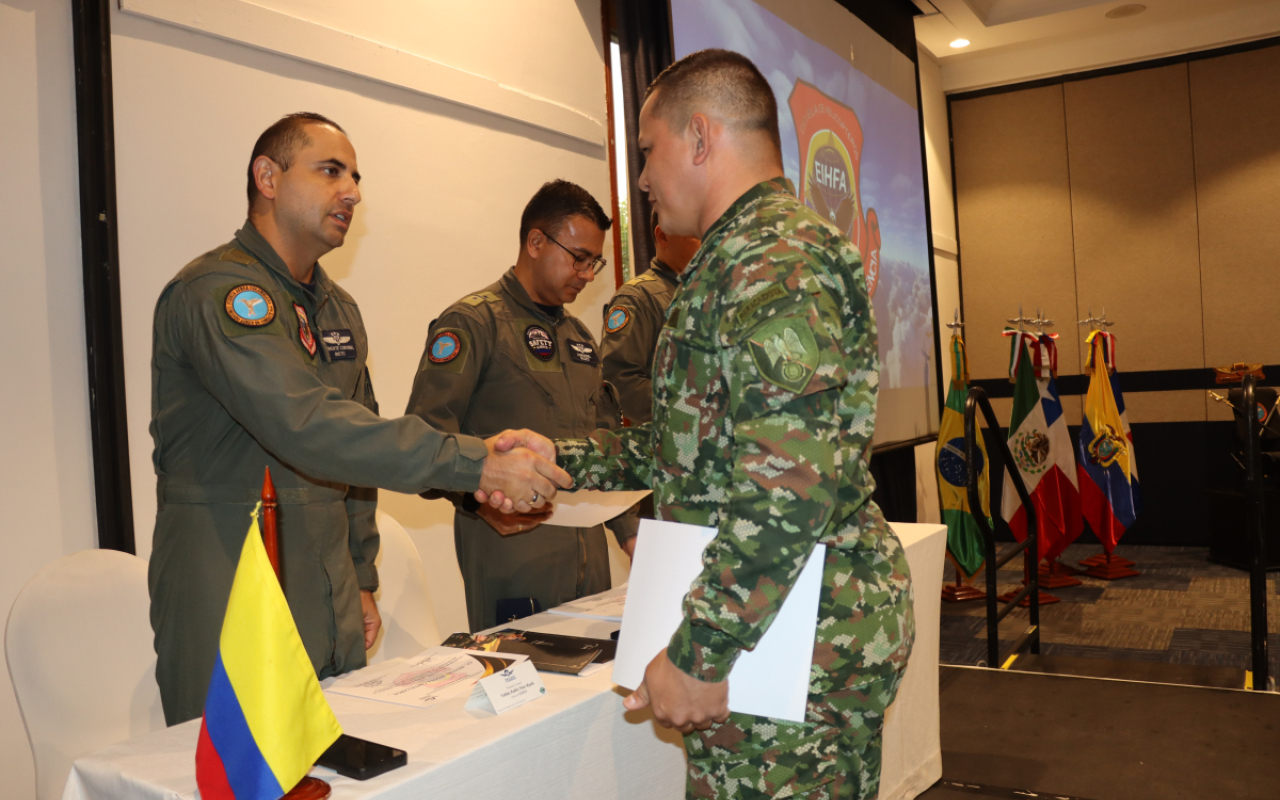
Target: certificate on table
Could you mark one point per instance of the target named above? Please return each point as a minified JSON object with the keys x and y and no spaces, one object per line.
{"x":770,"y":681}
{"x":435,"y":674}
{"x":587,"y":508}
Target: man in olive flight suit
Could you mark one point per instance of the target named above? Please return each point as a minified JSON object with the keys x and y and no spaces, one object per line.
{"x":764,"y":408}
{"x":512,"y":354}
{"x":634,"y":319}
{"x":259,"y":360}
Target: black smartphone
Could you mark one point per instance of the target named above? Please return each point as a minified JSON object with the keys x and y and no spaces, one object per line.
{"x":360,"y":759}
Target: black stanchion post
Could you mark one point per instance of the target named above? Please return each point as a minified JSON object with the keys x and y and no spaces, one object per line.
{"x":1253,"y":492}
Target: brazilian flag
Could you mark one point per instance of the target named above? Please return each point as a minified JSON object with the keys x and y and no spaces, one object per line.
{"x":964,"y":540}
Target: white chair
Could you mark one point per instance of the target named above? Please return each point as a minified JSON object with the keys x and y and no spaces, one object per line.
{"x":404,"y":600}
{"x":82,"y":660}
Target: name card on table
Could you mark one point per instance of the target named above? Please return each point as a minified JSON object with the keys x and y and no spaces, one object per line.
{"x":508,"y":689}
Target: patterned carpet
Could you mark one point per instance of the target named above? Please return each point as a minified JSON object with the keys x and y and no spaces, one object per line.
{"x":1182,"y":609}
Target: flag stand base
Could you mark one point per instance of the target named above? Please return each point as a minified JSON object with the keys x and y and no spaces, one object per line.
{"x":1111,"y":568}
{"x":309,"y":788}
{"x":1054,"y":575}
{"x":960,"y":593}
{"x":1046,"y":599}
{"x":1101,"y":558}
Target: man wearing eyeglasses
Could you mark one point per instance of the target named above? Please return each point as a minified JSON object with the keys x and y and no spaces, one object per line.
{"x":510,"y":355}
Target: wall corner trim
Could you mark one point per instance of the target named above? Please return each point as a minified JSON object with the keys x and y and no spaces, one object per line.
{"x":275,"y":32}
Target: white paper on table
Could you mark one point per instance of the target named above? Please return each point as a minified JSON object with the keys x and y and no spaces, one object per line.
{"x":607,"y":605}
{"x":587,"y":508}
{"x":423,"y":680}
{"x":770,"y":681}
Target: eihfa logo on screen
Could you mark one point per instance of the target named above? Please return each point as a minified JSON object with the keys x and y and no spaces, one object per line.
{"x":830,"y":139}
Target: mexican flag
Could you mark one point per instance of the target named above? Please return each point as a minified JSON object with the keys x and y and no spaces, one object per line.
{"x":1042,"y":452}
{"x":964,"y":540}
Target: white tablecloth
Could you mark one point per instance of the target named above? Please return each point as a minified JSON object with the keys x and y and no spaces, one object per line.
{"x":577,"y":742}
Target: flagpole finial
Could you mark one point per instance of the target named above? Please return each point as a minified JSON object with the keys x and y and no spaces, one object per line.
{"x":957,"y":325}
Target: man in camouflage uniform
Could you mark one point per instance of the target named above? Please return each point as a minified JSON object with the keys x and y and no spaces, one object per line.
{"x":764,"y":406}
{"x":259,"y":360}
{"x":634,"y":318}
{"x":512,"y":354}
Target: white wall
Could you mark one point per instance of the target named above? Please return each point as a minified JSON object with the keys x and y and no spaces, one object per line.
{"x":46,"y":467}
{"x":444,"y":183}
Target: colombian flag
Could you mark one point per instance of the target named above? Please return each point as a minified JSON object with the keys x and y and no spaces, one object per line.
{"x":1108,"y":471}
{"x":964,"y":539}
{"x":266,"y":721}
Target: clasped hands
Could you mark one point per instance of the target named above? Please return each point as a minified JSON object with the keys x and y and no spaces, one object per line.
{"x":519,"y":476}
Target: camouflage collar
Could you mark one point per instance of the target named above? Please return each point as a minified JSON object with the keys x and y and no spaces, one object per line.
{"x":253,"y":242}
{"x":514,"y":289}
{"x":748,"y":201}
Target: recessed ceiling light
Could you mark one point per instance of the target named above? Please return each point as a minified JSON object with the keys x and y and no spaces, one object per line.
{"x":1129,"y":10}
{"x":958,"y":43}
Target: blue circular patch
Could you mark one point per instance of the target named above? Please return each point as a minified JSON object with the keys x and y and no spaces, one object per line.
{"x":540,"y":342}
{"x":617,"y":319}
{"x":445,"y":348}
{"x":250,"y":305}
{"x":951,"y":463}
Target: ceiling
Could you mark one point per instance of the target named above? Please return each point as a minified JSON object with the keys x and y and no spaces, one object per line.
{"x":1019,"y":40}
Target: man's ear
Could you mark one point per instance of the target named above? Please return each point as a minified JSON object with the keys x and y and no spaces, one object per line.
{"x":659,"y":235}
{"x":534,"y":242}
{"x":700,"y":131}
{"x":265,"y":174}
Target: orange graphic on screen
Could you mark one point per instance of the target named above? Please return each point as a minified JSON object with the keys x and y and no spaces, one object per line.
{"x":830,"y":140}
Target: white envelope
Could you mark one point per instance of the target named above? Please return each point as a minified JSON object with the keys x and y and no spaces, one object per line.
{"x":770,"y":681}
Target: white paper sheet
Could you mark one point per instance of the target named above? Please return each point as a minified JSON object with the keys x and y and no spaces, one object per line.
{"x":435,"y":674}
{"x":770,"y":681}
{"x":588,"y":508}
{"x":607,"y":606}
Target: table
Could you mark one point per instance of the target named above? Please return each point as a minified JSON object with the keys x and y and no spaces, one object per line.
{"x":577,"y":742}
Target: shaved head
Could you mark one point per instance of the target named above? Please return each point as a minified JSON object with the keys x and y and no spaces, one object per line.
{"x":722,"y":84}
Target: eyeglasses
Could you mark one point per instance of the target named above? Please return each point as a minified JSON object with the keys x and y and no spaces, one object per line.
{"x":582,"y":263}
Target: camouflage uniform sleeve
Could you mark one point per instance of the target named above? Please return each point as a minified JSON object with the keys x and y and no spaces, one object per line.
{"x":784,"y":368}
{"x":609,"y":460}
{"x":629,"y":336}
{"x":453,"y":359}
{"x":362,"y":509}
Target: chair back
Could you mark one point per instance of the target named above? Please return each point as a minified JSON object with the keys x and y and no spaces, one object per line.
{"x":404,"y":600}
{"x":82,"y":660}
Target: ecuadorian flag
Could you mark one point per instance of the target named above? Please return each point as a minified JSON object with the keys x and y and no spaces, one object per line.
{"x":1109,"y":495}
{"x":266,"y":721}
{"x":964,"y":540}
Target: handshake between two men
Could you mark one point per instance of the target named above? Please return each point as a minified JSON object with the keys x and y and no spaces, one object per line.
{"x":520,"y":474}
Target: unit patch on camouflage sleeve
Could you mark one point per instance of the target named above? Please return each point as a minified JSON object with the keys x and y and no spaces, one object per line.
{"x":774,"y":292}
{"x":786,"y":352}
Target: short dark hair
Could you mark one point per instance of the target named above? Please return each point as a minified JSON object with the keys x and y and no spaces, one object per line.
{"x":554,"y":203}
{"x":281,"y":141}
{"x":721,"y":82}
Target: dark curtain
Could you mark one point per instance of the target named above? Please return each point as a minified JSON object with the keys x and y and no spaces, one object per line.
{"x":894,"y":472}
{"x":644,"y":39}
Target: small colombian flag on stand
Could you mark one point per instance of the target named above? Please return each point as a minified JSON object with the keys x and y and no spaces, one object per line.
{"x":266,"y":720}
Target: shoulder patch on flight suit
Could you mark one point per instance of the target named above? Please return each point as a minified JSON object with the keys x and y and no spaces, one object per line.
{"x":786,"y":352}
{"x":447,"y":350}
{"x":250,"y":305}
{"x":238,"y":256}
{"x":480,"y":297}
{"x":616,"y":319}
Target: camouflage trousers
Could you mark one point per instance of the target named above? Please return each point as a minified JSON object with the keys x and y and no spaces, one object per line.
{"x":865,"y":631}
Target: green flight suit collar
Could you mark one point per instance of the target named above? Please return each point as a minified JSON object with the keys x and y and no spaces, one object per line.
{"x":515,"y":290}
{"x":663,"y":271}
{"x":741,"y":206}
{"x":253,"y":242}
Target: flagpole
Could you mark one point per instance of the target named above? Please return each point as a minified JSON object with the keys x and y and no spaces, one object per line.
{"x":309,"y":788}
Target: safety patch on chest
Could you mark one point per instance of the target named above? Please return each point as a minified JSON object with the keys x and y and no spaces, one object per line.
{"x":305,"y":336}
{"x":250,"y":306}
{"x":582,"y":352}
{"x":540,"y":342}
{"x":785,"y":352}
{"x":339,"y":345}
{"x":616,"y":319}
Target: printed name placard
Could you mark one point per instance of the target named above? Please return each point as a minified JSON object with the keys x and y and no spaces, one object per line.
{"x":508,"y":689}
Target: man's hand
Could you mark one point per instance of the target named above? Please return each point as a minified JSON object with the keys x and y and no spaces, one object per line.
{"x":507,"y":524}
{"x":517,"y":477}
{"x":679,"y":700}
{"x":372,"y":619}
